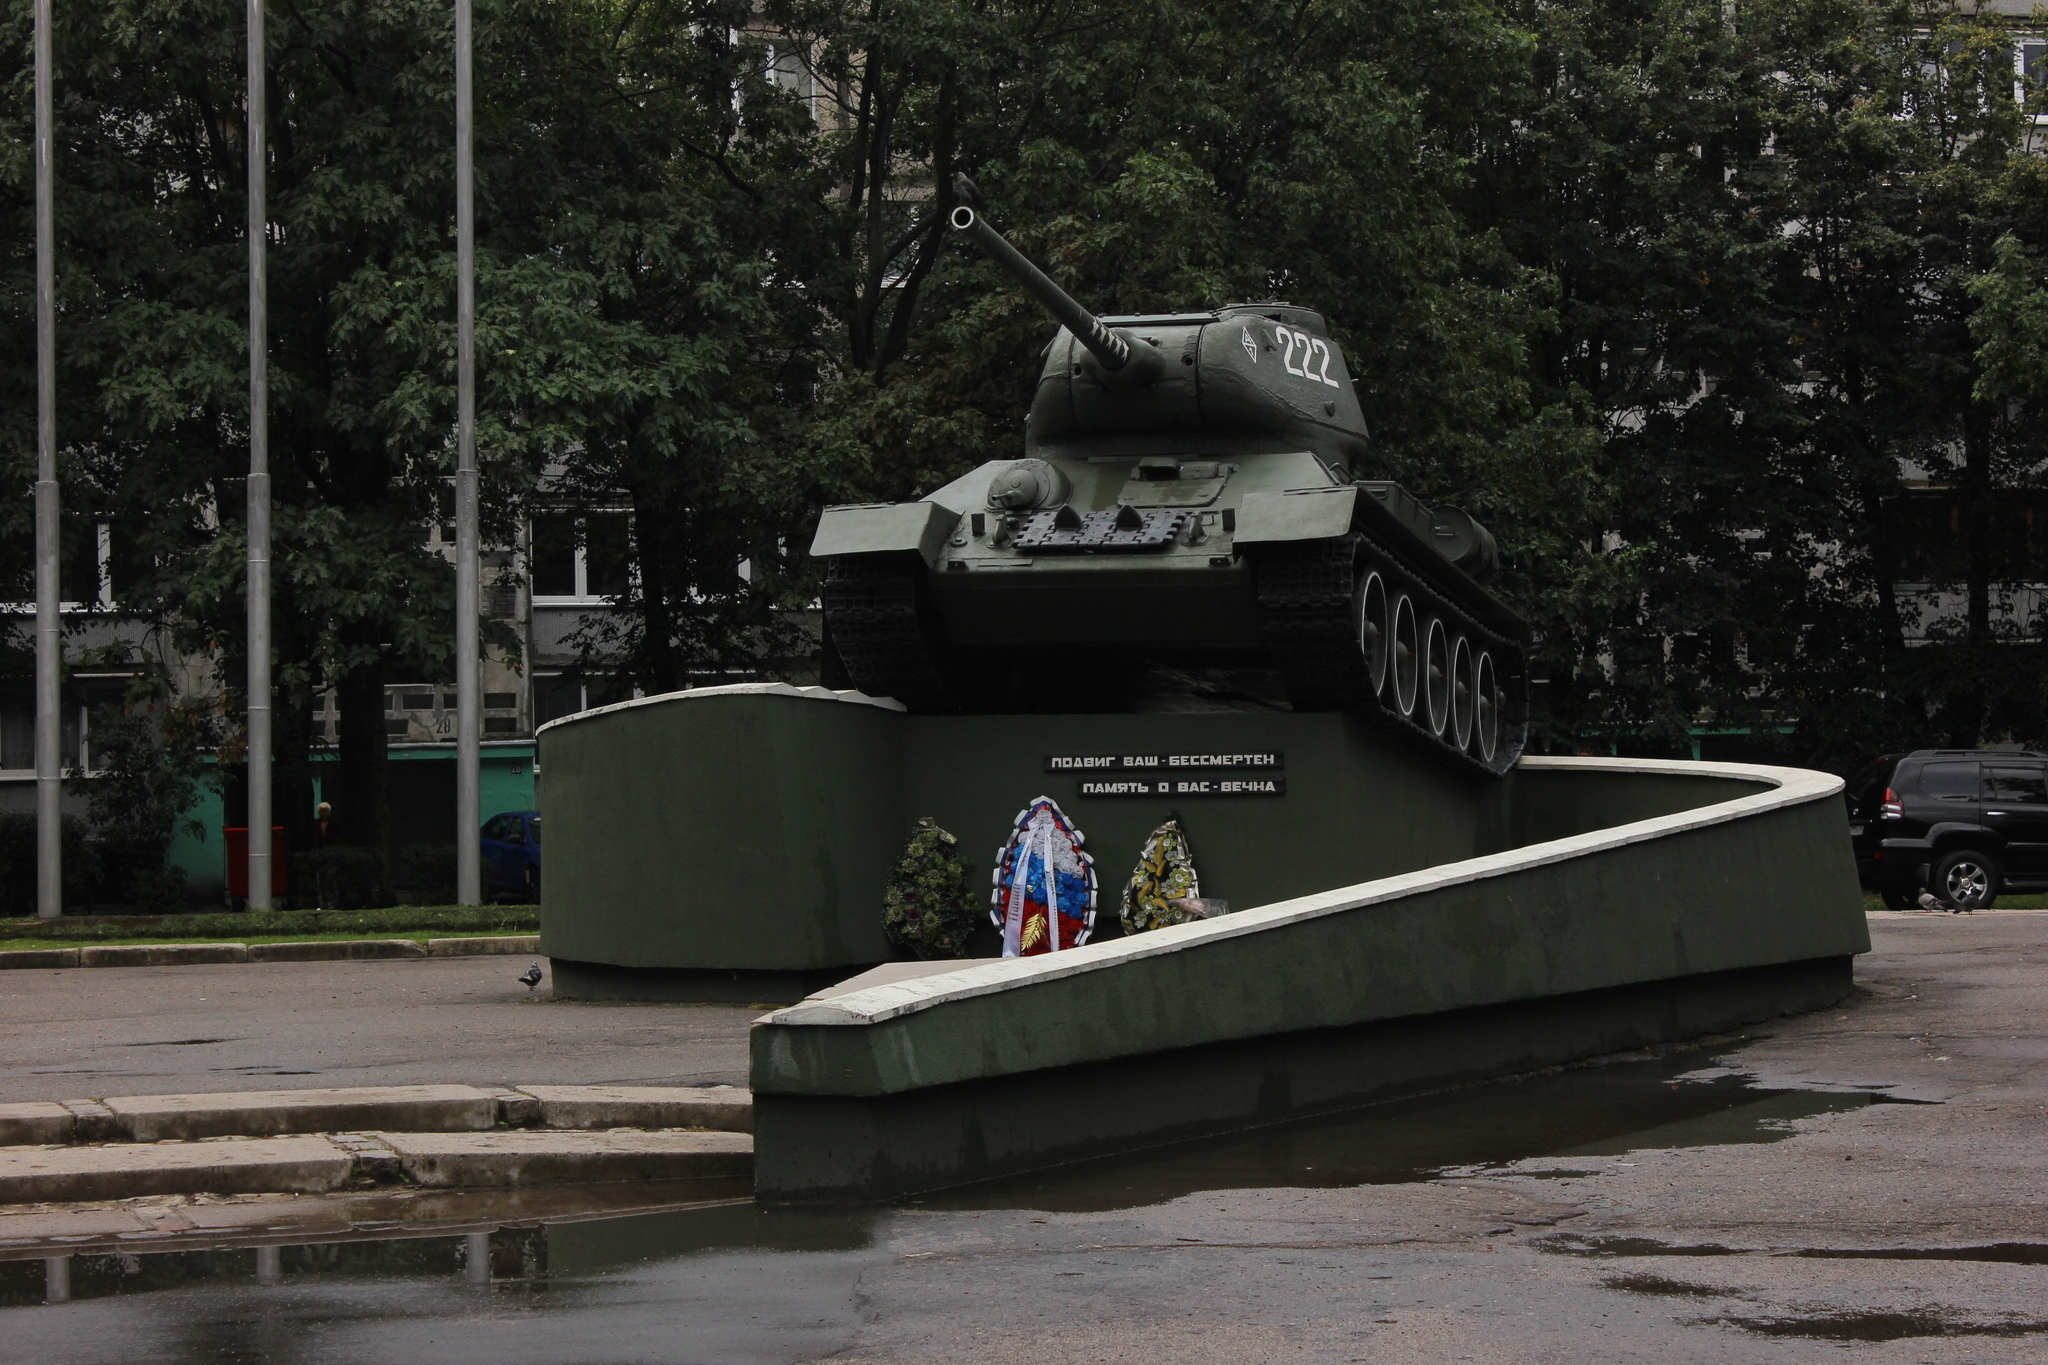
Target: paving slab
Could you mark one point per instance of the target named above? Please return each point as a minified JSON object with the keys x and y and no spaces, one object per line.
{"x":287,"y":1165}
{"x":262,"y":1113}
{"x":724,"y":1107}
{"x":543,"y":1157}
{"x":35,"y":1121}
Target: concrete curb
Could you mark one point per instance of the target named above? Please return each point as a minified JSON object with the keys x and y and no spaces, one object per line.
{"x":725,"y":1108}
{"x":321,"y":1164}
{"x":339,"y":950}
{"x":407,"y":1108}
{"x":268,"y":1113}
{"x":162,"y":954}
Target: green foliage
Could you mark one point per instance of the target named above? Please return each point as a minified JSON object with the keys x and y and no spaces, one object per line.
{"x":340,"y":878}
{"x":148,"y":766}
{"x":1667,"y":292}
{"x":82,"y":874}
{"x":926,"y":907}
{"x":2011,"y":326}
{"x":428,"y":872}
{"x":508,"y":919}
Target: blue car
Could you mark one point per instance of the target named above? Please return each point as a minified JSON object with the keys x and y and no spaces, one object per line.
{"x":511,"y":855}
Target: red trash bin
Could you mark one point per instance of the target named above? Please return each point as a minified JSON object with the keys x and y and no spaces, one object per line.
{"x":237,"y":838}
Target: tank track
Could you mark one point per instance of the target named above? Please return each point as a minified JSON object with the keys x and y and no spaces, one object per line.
{"x":1311,"y":612}
{"x":883,"y":626}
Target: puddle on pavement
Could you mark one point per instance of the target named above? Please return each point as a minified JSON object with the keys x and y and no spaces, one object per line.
{"x":1996,"y":1253}
{"x":522,"y":1253}
{"x":1585,"y":1112}
{"x":532,"y":1238}
{"x":1875,"y":1325}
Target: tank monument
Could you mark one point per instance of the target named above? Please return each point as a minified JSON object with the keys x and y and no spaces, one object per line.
{"x":1228,"y":738}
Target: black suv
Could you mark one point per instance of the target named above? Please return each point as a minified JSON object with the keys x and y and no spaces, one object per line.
{"x":1962,"y":823}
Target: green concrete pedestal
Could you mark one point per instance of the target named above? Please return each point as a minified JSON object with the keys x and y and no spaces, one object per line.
{"x":1396,"y":926}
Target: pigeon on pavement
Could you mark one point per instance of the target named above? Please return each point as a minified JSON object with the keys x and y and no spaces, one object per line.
{"x":531,"y":976}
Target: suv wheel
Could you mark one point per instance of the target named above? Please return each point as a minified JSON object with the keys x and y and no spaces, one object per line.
{"x":1967,"y":878}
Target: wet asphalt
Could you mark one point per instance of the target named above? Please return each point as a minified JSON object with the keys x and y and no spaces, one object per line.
{"x":92,"y":1032}
{"x":1868,"y":1183}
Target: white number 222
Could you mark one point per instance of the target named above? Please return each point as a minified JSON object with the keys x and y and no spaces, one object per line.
{"x":1311,"y":348}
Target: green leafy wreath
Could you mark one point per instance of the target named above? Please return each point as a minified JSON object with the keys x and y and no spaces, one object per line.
{"x":925,"y":908}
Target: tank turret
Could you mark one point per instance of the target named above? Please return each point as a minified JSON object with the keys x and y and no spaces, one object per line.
{"x":1190,"y":493}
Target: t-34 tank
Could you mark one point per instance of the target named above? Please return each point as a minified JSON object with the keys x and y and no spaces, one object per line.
{"x":1190,"y":490}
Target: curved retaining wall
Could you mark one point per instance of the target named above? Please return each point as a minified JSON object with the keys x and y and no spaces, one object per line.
{"x":1736,"y":904}
{"x":735,"y":843}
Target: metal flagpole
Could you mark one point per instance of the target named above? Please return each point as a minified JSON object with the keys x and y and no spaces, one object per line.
{"x":49,"y":636}
{"x":260,"y":873}
{"x":468,"y":715}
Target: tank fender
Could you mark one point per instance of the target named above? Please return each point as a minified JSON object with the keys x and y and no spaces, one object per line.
{"x":881,"y":527}
{"x":1296,"y":514}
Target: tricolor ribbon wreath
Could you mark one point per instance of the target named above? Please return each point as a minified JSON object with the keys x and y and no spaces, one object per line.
{"x":1044,"y":896}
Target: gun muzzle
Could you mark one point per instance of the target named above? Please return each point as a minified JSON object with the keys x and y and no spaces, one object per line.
{"x":1111,"y":351}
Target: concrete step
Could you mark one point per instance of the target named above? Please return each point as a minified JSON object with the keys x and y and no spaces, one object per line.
{"x":291,"y":1165}
{"x":319,"y":950}
{"x":397,"y":1108}
{"x":318,"y":1164}
{"x":542,"y":1156}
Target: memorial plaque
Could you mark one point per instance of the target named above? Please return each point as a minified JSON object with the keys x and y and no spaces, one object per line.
{"x":1207,"y":784}
{"x":1162,"y":764}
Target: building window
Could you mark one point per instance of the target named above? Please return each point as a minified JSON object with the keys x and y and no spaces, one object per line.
{"x":84,"y":562}
{"x":556,"y":695}
{"x":74,"y":743}
{"x":579,"y":557}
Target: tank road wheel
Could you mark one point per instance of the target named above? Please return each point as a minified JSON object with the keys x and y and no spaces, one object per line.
{"x":1485,"y":707}
{"x":1436,"y":658}
{"x":1407,"y":656}
{"x":1375,"y":628}
{"x":1461,"y":693}
{"x":885,"y":628}
{"x":1355,"y":628}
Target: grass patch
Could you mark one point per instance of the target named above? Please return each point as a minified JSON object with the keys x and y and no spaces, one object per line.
{"x":399,"y":921}
{"x":333,"y":936}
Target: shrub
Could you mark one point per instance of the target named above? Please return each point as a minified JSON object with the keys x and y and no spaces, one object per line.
{"x":340,"y":878}
{"x":18,"y":863}
{"x":428,"y":872}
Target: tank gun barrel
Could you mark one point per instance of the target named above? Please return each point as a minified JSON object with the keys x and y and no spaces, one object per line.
{"x":1111,"y":351}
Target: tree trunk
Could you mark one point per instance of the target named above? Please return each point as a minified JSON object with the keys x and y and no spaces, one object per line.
{"x":659,"y":577}
{"x":292,"y":767}
{"x":362,"y":795}
{"x":1967,"y":701}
